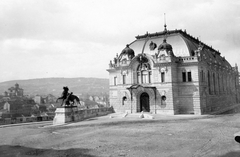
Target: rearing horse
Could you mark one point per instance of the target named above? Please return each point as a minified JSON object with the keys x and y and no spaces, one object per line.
{"x":72,"y":98}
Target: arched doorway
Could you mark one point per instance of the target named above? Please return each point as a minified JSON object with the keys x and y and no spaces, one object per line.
{"x":144,"y":103}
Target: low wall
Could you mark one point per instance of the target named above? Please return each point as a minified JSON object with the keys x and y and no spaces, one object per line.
{"x":25,"y":119}
{"x":72,"y":114}
{"x":88,"y":113}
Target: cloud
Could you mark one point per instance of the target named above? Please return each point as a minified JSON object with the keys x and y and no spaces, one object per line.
{"x":54,"y":59}
{"x":69,"y":38}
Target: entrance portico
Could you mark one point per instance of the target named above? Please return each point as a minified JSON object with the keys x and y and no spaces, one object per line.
{"x":145,"y":97}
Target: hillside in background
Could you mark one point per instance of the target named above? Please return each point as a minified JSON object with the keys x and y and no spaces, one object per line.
{"x":54,"y":86}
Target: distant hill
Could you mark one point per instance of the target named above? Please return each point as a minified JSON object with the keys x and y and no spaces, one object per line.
{"x":54,"y":86}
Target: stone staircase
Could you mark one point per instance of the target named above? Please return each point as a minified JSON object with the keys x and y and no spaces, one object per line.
{"x":132,"y":115}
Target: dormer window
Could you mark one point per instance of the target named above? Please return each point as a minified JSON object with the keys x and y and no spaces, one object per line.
{"x":124,"y":61}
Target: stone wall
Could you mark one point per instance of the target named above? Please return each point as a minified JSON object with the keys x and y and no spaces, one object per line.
{"x":78,"y":115}
{"x":72,"y":114}
{"x":89,"y":113}
{"x":16,"y":120}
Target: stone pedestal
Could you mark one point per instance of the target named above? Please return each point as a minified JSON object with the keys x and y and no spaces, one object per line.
{"x":64,"y":114}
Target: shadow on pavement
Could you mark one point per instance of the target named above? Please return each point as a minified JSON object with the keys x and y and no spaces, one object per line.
{"x":21,"y":151}
{"x":232,"y":111}
{"x":231,"y":154}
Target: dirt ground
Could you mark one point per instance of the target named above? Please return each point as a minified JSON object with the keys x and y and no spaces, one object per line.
{"x":164,"y":136}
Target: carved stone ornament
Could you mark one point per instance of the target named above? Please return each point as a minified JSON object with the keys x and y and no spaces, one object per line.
{"x":142,"y":58}
{"x":152,"y":46}
{"x":163,"y":69}
{"x":124,"y":72}
{"x":163,"y":92}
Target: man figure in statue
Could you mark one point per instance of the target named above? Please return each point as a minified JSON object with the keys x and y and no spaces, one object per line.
{"x":64,"y":96}
{"x":68,"y":97}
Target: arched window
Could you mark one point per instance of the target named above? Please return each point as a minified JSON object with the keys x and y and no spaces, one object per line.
{"x":124,"y":99}
{"x":144,"y":73}
{"x":162,"y":74}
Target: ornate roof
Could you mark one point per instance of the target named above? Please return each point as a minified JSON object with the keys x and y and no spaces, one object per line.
{"x":165,"y":46}
{"x":181,"y":43}
{"x":128,"y":52}
{"x":184,"y":47}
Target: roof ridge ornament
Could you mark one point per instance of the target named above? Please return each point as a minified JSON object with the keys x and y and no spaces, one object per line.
{"x":165,"y":25}
{"x":165,"y":31}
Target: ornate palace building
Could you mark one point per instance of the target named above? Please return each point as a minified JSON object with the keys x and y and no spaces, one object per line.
{"x":171,"y":72}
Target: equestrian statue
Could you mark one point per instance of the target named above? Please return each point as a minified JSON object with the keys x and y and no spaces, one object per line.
{"x":68,"y":98}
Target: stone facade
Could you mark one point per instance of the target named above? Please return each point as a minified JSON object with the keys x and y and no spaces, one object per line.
{"x":171,"y":72}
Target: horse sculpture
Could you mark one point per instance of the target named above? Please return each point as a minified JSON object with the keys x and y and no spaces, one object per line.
{"x":73,"y":99}
{"x":68,"y":98}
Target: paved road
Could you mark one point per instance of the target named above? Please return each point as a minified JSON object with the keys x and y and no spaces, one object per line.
{"x":164,"y":136}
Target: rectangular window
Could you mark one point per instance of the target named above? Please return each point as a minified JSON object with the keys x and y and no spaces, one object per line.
{"x":222,"y":84}
{"x":214,"y":84}
{"x":144,"y":78}
{"x":202,"y":76}
{"x":149,"y":78}
{"x":219,"y":87}
{"x":138,"y":78}
{"x":189,"y":76}
{"x":162,"y":76}
{"x":115,"y":81}
{"x":184,"y":76}
{"x":209,"y":83}
{"x":124,"y":79}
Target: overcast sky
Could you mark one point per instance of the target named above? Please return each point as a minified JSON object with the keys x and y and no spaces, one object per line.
{"x":78,"y":38}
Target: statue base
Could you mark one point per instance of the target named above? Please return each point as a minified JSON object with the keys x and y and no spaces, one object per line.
{"x":64,"y":114}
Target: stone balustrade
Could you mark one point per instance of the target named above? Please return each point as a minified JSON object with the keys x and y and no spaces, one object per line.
{"x":188,"y":59}
{"x":122,"y":63}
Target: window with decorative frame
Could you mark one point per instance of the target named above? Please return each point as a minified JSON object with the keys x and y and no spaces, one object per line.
{"x":189,"y":76}
{"x":163,"y":76}
{"x":144,"y":73}
{"x":186,"y":76}
{"x":115,"y":81}
{"x":124,"y":99}
{"x":162,"y":72}
{"x":124,"y":79}
{"x":184,"y":79}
